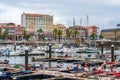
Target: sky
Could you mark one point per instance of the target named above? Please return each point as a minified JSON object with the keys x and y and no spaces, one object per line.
{"x":102,"y":13}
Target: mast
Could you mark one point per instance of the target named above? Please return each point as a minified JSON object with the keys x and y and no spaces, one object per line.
{"x":73,"y":22}
{"x":87,"y":20}
{"x":74,"y":27}
{"x":81,"y":21}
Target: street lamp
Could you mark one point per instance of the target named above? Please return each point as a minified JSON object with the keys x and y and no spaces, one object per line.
{"x":112,"y":53}
{"x":50,"y":51}
{"x":50,"y":55}
{"x":14,"y":46}
{"x":26,"y":59}
{"x":102,"y":47}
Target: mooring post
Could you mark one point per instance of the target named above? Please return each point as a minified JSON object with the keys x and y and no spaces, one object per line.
{"x":112,"y":53}
{"x":26,"y":59}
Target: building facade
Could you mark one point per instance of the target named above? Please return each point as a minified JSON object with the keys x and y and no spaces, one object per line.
{"x":92,"y":30}
{"x":34,"y":22}
{"x":2,"y":25}
{"x":62,"y":28}
{"x":112,"y":34}
{"x":15,"y":33}
{"x":80,"y":29}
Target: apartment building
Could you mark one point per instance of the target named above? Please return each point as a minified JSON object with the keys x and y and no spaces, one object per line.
{"x":34,"y":22}
{"x":15,"y":32}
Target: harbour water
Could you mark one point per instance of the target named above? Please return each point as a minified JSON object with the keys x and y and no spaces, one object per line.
{"x":21,"y":59}
{"x":69,"y":62}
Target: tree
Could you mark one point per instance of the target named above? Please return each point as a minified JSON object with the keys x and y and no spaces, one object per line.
{"x":40,"y":34}
{"x":55,"y":33}
{"x":26,"y":35}
{"x":59,"y":32}
{"x":40,"y":30}
{"x":101,"y":36}
{"x":5,"y":33}
{"x":68,"y":33}
{"x":118,"y":37}
{"x":93,"y":36}
{"x":75,"y":33}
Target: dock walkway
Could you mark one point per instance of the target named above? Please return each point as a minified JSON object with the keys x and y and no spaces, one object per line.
{"x":64,"y":75}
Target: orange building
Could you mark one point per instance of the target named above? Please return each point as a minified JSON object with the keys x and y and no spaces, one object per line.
{"x":14,"y":32}
{"x":92,"y":30}
{"x":62,"y":28}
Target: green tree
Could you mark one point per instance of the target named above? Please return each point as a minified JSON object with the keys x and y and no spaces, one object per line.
{"x":40,"y":34}
{"x":40,"y":30}
{"x":101,"y":36}
{"x":5,"y":33}
{"x":93,"y":36}
{"x":75,"y":33}
{"x":68,"y":33}
{"x":26,"y":35}
{"x":118,"y":37}
{"x":59,"y":33}
{"x":55,"y":33}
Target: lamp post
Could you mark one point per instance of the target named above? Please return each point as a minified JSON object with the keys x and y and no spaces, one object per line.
{"x":15,"y":51}
{"x":112,"y":53}
{"x":14,"y":46}
{"x":101,"y":47}
{"x":50,"y":55}
{"x":26,"y":59}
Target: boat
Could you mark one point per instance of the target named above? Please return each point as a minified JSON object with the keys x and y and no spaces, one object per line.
{"x":91,"y":50}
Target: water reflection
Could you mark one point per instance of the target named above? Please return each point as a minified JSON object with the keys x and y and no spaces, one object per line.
{"x":21,"y":59}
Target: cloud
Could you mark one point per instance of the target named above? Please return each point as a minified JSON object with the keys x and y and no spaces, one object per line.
{"x":9,"y":14}
{"x":112,"y":2}
{"x":101,"y":12}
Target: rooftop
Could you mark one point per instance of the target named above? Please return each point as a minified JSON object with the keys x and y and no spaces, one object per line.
{"x":30,"y":14}
{"x":107,"y":30}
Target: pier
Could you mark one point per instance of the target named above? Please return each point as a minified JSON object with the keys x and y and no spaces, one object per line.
{"x":62,"y":76}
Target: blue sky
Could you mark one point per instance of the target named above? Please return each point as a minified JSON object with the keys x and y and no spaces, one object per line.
{"x":102,"y":13}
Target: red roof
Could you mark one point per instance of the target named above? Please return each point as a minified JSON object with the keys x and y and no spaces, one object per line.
{"x":29,"y":14}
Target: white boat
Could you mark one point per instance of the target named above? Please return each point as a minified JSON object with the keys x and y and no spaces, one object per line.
{"x":37,"y":52}
{"x":91,"y":50}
